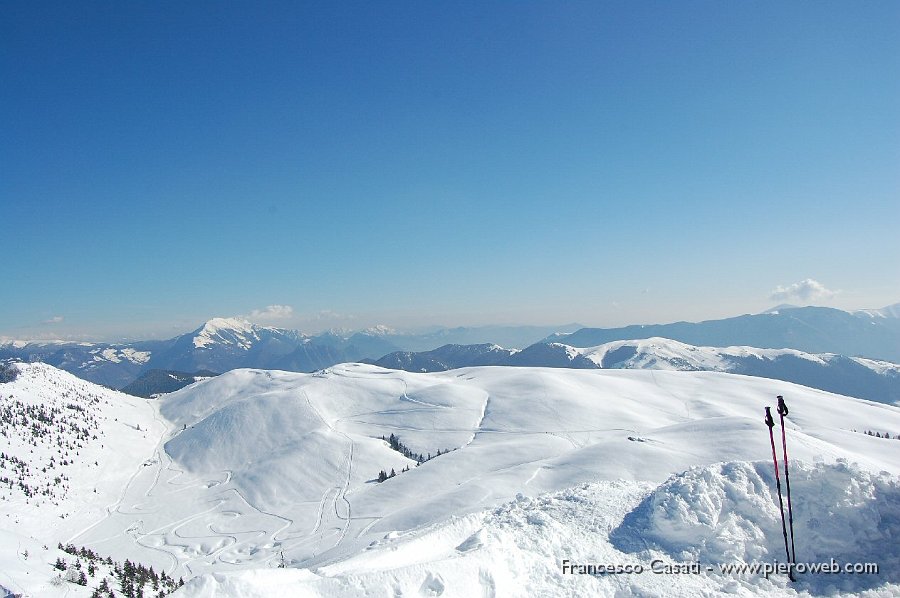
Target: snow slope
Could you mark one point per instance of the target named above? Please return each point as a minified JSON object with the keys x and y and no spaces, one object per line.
{"x":259,"y":467}
{"x":70,"y":447}
{"x":673,"y":537}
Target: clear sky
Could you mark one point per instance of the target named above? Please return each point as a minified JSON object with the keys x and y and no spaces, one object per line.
{"x":460,"y":163}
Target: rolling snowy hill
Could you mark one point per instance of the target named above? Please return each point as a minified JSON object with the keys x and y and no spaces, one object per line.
{"x":549,"y":464}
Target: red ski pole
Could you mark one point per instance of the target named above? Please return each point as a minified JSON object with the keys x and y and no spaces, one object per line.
{"x":771,"y":423}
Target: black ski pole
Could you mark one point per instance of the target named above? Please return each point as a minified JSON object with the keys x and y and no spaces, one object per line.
{"x":771,"y":423}
{"x":782,"y":411}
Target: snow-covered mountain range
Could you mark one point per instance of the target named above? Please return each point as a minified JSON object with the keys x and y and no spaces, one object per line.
{"x":852,"y":376}
{"x":222,"y":344}
{"x":229,"y":478}
{"x":874,"y":334}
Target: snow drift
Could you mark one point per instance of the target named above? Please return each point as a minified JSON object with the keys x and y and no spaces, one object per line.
{"x":729,"y":512}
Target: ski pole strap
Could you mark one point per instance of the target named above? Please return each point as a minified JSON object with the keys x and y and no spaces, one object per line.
{"x":782,"y":408}
{"x":769,"y":421}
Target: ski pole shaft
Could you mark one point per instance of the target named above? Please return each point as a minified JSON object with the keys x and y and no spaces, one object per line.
{"x":782,"y":411}
{"x":771,"y":423}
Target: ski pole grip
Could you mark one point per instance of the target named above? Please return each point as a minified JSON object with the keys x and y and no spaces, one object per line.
{"x":769,"y":421}
{"x":782,"y":408}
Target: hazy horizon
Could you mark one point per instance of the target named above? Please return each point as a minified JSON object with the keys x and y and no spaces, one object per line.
{"x":408,"y":164}
{"x":321,"y":323}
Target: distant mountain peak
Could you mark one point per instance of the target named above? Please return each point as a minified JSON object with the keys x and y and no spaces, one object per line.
{"x":780,"y":308}
{"x":891,"y":311}
{"x":214,"y":324}
{"x":227,"y":331}
{"x":379,"y":330}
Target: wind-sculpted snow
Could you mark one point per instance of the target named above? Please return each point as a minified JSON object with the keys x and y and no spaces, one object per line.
{"x":729,"y":513}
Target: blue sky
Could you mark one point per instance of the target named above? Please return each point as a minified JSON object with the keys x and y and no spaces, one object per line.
{"x":417,"y":163}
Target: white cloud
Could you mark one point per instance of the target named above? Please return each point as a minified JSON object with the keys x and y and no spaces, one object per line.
{"x":272,"y":312}
{"x":54,"y":320}
{"x":805,"y":291}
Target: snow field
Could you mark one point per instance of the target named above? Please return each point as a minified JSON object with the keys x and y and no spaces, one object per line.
{"x":704,"y":517}
{"x":550,"y":464}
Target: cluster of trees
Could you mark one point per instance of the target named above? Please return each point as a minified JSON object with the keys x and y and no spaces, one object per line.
{"x":881,"y":435}
{"x":21,"y":479}
{"x":64,"y":425}
{"x":394,"y":442}
{"x":133,"y":580}
{"x":8,"y":372}
{"x":383,"y":475}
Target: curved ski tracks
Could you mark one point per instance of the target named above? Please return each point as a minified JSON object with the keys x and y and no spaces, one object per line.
{"x":341,"y":494}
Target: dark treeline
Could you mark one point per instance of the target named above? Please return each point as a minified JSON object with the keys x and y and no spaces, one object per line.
{"x":394,"y":442}
{"x":132,"y":580}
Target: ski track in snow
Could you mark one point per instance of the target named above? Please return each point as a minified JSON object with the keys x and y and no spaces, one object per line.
{"x":341,"y":494}
{"x":115,"y":506}
{"x":174,"y":553}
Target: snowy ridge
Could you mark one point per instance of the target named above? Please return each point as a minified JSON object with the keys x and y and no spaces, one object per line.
{"x":854,"y":376}
{"x":891,"y":311}
{"x":19,"y":343}
{"x":222,"y":344}
{"x":227,"y":331}
{"x":118,"y":355}
{"x":570,"y":352}
{"x":667,"y":354}
{"x":380,"y":330}
{"x":862,"y":378}
{"x":879,"y":367}
{"x":809,"y":329}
